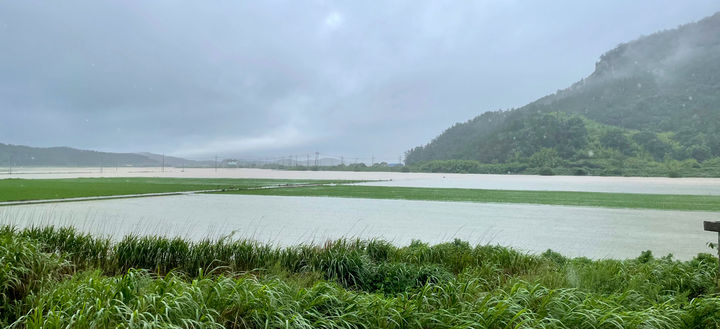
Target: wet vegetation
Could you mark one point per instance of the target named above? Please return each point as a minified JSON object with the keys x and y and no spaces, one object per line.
{"x":36,"y":189}
{"x":58,"y":278}
{"x":650,"y":108}
{"x":593,"y":199}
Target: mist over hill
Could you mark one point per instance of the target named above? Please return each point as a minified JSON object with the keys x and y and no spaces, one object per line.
{"x":26,"y":156}
{"x":651,"y":106}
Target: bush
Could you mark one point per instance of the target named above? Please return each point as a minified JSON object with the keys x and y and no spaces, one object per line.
{"x":393,"y":278}
{"x":546,"y":171}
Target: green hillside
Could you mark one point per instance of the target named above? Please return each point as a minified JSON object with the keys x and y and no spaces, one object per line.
{"x":26,"y":156}
{"x":651,"y":107}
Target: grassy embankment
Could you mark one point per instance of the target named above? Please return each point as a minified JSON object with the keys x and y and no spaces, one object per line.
{"x":594,"y":199}
{"x":39,"y":189}
{"x":59,"y":278}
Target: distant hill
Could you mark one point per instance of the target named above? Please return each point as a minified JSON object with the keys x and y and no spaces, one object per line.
{"x":26,"y":156}
{"x":653,"y":100}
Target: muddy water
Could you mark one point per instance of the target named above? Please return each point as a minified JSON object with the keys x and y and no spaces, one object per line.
{"x":573,"y":231}
{"x":652,"y":185}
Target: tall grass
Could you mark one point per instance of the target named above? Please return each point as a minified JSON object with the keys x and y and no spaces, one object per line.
{"x":58,"y":277}
{"x":139,"y":299}
{"x":23,"y":269}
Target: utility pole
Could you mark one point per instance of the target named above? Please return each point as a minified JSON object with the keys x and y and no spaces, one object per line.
{"x":372,"y":160}
{"x":317,"y":154}
{"x":163,"y":163}
{"x":342,"y":160}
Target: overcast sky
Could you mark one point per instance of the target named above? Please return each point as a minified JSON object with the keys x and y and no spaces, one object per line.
{"x":265,"y":78}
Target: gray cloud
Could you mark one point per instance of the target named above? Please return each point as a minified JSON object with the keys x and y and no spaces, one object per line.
{"x":269,"y":78}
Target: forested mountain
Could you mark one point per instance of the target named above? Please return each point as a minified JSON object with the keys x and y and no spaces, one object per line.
{"x":652,"y":101}
{"x":18,"y":155}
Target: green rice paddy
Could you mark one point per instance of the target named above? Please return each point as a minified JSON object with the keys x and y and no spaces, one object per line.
{"x":40,"y":189}
{"x":591,"y":199}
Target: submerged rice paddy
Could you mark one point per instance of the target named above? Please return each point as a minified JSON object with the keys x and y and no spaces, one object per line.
{"x":198,"y":261}
{"x":39,"y":189}
{"x":574,"y":231}
{"x":591,"y":199}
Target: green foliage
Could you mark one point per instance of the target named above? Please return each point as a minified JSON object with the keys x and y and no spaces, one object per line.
{"x":37,"y":189}
{"x":545,"y":158}
{"x":24,"y":268}
{"x":616,"y":139}
{"x":596,"y":199}
{"x":652,"y":97}
{"x":363,"y":284}
{"x":394,"y":278}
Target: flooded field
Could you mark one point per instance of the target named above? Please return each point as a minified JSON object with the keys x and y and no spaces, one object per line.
{"x":573,"y":231}
{"x":649,"y":185}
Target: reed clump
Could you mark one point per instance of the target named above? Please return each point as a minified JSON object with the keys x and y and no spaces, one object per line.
{"x":59,"y":278}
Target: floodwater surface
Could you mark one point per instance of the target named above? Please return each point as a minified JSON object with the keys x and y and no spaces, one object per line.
{"x":573,"y":231}
{"x":647,"y":185}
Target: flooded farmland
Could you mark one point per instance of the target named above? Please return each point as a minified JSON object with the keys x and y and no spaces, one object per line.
{"x":648,"y":185}
{"x":573,"y":231}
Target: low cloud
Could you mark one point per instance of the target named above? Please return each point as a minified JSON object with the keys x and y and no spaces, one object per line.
{"x":250,"y":79}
